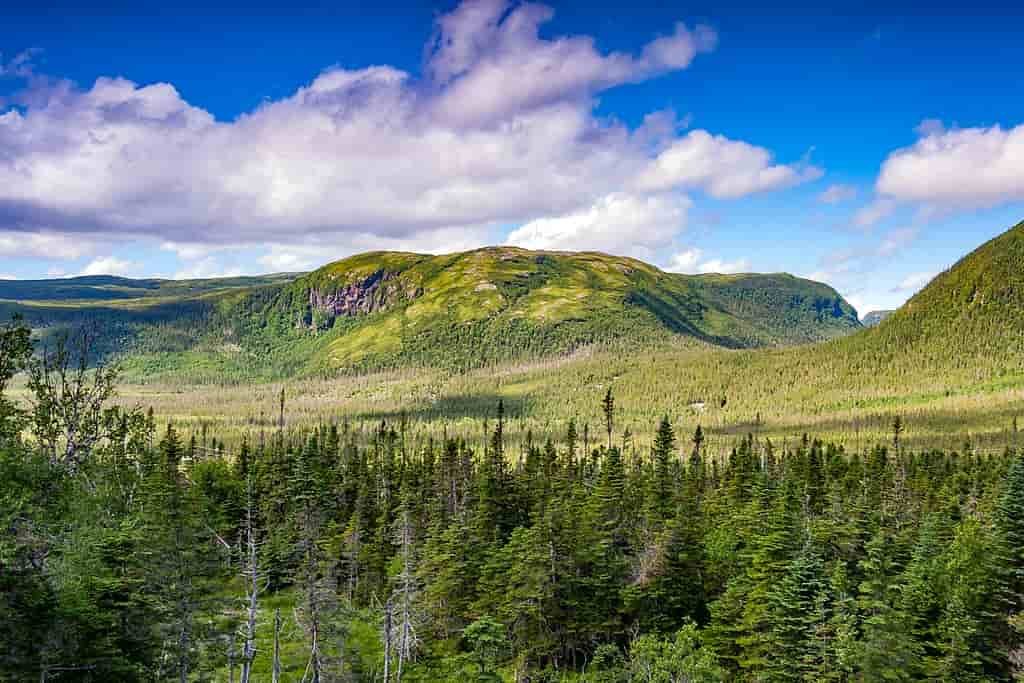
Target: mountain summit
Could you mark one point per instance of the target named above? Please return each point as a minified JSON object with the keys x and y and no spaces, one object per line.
{"x":456,"y":311}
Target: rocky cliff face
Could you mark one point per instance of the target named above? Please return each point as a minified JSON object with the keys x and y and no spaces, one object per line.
{"x":377,"y":292}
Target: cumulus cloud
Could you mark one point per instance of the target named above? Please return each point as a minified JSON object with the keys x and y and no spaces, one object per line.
{"x":43,"y":245}
{"x":500,"y":129}
{"x":851,"y":264}
{"x":617,"y":223}
{"x":110,"y":265}
{"x":18,"y":66}
{"x":966,"y":167}
{"x":206,"y":268}
{"x":913,"y":282}
{"x":862,"y":302}
{"x":488,"y":62}
{"x":875,"y":212}
{"x":724,"y":168}
{"x":895,"y":241}
{"x":837,"y":193}
{"x":720,"y":266}
{"x":693,"y":261}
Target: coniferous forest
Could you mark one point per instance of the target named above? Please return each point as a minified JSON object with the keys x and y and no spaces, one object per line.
{"x":132,"y":551}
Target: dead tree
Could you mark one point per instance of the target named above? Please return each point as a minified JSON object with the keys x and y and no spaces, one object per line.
{"x":253,"y":587}
{"x":387,"y":641}
{"x":69,"y":399}
{"x":407,"y":640}
{"x":231,"y":660}
{"x":275,"y":667}
{"x":400,"y":616}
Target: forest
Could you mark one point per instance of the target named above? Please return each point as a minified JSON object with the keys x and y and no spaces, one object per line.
{"x":134,"y":550}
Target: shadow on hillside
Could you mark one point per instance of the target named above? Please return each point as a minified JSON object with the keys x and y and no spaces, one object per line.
{"x":474,"y":406}
{"x":924,"y":428}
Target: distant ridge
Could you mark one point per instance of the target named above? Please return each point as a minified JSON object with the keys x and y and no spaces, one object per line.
{"x":875,"y":317}
{"x":454,"y":311}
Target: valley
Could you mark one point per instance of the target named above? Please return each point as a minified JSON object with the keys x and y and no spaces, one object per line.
{"x":950,"y":363}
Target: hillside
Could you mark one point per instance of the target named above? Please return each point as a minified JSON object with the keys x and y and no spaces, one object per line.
{"x":499,"y":303}
{"x":975,"y":307}
{"x":874,"y":317}
{"x":111,"y":288}
{"x":457,"y":311}
{"x":951,"y":363}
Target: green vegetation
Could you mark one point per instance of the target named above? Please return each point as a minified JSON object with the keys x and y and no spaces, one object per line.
{"x":387,"y":310}
{"x":546,"y":517}
{"x":133,"y":553}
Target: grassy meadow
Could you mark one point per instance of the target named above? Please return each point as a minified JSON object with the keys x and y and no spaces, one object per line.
{"x":780,"y":394}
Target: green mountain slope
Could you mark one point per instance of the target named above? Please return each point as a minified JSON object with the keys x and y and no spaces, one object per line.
{"x":974,"y":309}
{"x":457,"y":311}
{"x":112,"y":288}
{"x":467,"y":309}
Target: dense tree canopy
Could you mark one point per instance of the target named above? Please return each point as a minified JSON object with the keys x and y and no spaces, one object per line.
{"x":340,"y":554}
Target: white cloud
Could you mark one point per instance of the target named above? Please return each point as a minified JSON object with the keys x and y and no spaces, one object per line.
{"x":43,"y":245}
{"x":189,"y":251}
{"x":851,"y":264}
{"x":110,"y":265}
{"x":837,"y":193}
{"x":284,"y":258}
{"x":205,"y":268}
{"x":489,"y":61}
{"x":685,"y":261}
{"x":724,"y":168}
{"x":895,"y":241}
{"x":617,"y":223}
{"x":500,"y":130}
{"x":692,"y":261}
{"x":8,"y":276}
{"x":874,"y":212}
{"x":863,"y":303}
{"x":720,"y":266}
{"x":913,"y":282}
{"x":968,"y":167}
{"x":20,"y":65}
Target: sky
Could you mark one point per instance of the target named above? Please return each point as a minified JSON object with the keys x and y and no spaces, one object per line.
{"x":868,"y":145}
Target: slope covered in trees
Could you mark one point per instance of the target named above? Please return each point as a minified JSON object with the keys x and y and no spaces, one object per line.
{"x":975,"y":307}
{"x":353,"y":552}
{"x":458,"y":311}
{"x":961,"y":380}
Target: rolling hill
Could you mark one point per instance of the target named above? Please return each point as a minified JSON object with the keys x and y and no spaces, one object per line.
{"x":456,"y":311}
{"x":974,"y":307}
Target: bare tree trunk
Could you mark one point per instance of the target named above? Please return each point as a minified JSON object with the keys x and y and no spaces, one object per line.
{"x":252,"y":573}
{"x":183,"y":645}
{"x":407,"y":640}
{"x":275,"y":670}
{"x":231,"y":660}
{"x":387,"y":641}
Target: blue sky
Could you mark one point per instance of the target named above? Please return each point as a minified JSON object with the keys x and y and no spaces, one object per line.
{"x":868,"y":145}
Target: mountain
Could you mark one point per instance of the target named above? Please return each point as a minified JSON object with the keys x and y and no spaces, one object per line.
{"x":456,"y":311}
{"x":110,"y":287}
{"x":875,"y":317}
{"x":975,"y":307}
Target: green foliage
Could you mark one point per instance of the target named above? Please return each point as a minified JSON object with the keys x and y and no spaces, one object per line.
{"x":386,"y":309}
{"x":522,"y":550}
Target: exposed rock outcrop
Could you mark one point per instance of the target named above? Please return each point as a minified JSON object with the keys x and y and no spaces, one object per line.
{"x":377,"y":292}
